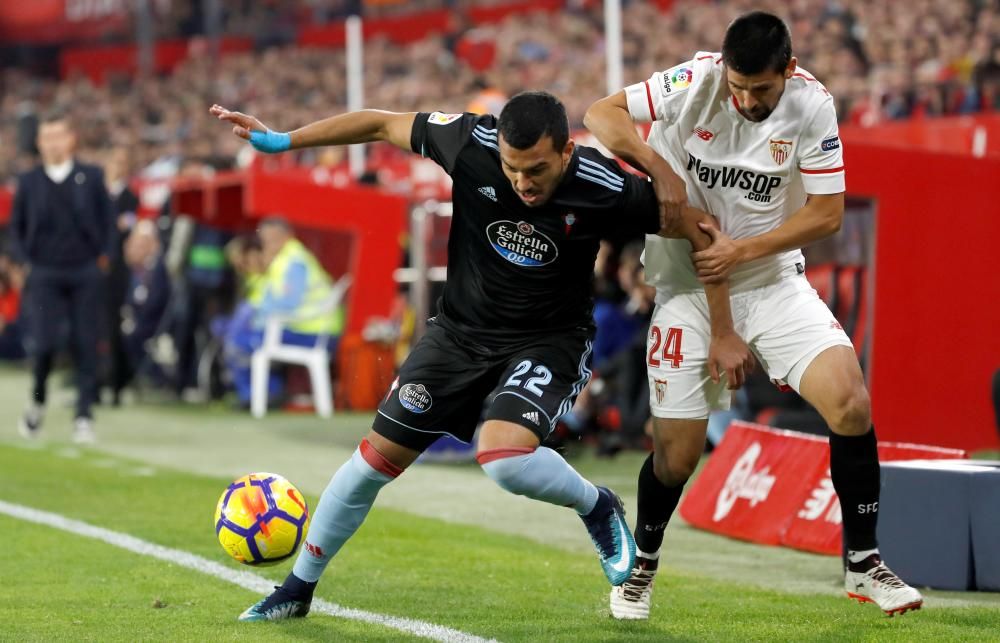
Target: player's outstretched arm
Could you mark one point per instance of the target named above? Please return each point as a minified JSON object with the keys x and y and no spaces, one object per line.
{"x":365,"y":126}
{"x":819,"y":218}
{"x":610,"y":121}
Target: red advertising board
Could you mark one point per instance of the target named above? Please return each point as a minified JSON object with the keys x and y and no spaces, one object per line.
{"x":773,"y":487}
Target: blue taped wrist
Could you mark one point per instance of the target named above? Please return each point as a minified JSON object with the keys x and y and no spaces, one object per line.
{"x":270,"y":142}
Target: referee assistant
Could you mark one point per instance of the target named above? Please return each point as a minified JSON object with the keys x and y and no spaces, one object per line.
{"x":61,"y":230}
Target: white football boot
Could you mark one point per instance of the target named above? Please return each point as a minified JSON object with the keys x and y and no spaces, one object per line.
{"x":631,"y":599}
{"x":881,"y":586}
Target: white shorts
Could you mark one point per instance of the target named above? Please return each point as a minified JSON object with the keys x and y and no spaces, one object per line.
{"x":785,"y":324}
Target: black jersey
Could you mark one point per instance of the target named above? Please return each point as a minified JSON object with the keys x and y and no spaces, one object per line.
{"x":515,"y":270}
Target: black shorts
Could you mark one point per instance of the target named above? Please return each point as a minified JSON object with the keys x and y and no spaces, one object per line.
{"x":447,"y":379}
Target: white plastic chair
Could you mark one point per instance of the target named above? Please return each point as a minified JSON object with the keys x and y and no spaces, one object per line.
{"x":315,"y":358}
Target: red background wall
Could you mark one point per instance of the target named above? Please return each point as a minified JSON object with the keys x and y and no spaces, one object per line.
{"x":936,"y":335}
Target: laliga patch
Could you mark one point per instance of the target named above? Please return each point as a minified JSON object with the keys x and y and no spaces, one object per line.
{"x":521,"y":244}
{"x":439,"y":118}
{"x":681,"y":78}
{"x":665,"y":87}
{"x":831,"y":143}
{"x":415,"y":398}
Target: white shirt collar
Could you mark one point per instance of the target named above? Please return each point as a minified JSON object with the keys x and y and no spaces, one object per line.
{"x":58,"y":173}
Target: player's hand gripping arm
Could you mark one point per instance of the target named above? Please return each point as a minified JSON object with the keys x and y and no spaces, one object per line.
{"x":363,"y":126}
{"x":611,"y":123}
{"x":820,"y":217}
{"x":727,"y":352}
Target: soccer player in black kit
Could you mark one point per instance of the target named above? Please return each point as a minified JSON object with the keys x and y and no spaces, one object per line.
{"x":515,"y":322}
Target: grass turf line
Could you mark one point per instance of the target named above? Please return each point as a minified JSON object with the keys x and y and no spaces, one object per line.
{"x":467,"y":578}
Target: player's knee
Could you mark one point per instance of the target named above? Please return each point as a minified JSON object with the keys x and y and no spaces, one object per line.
{"x":852,"y":414}
{"x":505,"y":470}
{"x":673,"y":467}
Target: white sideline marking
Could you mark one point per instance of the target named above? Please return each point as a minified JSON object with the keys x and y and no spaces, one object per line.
{"x":245,"y":579}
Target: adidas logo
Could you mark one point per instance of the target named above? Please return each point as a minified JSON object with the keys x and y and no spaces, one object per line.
{"x":531,"y":416}
{"x":488,"y":192}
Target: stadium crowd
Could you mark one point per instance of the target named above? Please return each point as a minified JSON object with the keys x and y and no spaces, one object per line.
{"x":935,"y":58}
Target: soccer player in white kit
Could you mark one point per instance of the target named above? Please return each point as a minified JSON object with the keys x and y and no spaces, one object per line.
{"x":751,"y":138}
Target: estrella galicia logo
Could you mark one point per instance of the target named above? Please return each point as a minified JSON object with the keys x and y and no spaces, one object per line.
{"x":415,"y":398}
{"x":521,"y":244}
{"x":831,"y":143}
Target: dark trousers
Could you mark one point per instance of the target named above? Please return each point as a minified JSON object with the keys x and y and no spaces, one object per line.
{"x":56,"y":297}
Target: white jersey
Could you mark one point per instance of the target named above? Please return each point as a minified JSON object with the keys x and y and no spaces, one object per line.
{"x":752,"y":176}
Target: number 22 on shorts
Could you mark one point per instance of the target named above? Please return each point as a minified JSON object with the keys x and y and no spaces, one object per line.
{"x":671,"y":351}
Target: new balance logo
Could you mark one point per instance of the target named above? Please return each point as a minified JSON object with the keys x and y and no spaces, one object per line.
{"x":315,"y":550}
{"x":703,"y":134}
{"x":488,"y":192}
{"x":531,"y":416}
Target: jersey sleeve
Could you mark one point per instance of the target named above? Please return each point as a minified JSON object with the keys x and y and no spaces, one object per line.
{"x":639,"y":205}
{"x":821,"y":159}
{"x":661,"y":97}
{"x":441,"y":137}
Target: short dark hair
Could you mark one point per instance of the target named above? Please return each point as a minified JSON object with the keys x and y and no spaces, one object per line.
{"x":56,"y":115}
{"x":529,"y":116}
{"x":757,"y":42}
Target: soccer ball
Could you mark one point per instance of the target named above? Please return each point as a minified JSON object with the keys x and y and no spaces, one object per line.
{"x":261,"y":519}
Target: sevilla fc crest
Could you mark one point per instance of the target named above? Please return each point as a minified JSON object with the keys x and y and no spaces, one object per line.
{"x":780,"y":150}
{"x":660,"y":386}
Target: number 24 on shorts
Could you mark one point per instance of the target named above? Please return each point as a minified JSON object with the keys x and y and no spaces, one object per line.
{"x":671,"y":351}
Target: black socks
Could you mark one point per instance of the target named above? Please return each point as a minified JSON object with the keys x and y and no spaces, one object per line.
{"x":656,"y":504}
{"x":854,"y":470}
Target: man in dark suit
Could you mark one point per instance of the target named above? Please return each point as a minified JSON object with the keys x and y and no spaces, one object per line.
{"x":61,"y":229}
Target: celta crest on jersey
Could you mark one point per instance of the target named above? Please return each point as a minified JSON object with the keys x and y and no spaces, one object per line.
{"x":521,"y":244}
{"x":759,"y":186}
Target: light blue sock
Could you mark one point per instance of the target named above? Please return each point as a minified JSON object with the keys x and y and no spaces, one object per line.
{"x":540,"y":475}
{"x":342,"y":508}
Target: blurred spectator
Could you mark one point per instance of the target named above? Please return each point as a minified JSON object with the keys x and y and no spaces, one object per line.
{"x":61,"y":229}
{"x":125,"y":203}
{"x":488,"y":100}
{"x":623,"y":375}
{"x":145,"y":304}
{"x":201,"y":291}
{"x":615,"y":403}
{"x":11,"y":283}
{"x":294,"y":284}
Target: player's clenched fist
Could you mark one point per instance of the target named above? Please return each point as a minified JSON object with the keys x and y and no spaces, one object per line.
{"x":671,"y":191}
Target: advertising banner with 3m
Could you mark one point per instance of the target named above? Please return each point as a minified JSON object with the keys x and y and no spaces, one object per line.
{"x":773,"y":487}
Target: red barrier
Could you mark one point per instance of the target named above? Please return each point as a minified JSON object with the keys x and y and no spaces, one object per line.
{"x":6,"y":201}
{"x":355,"y":230}
{"x":773,"y":487}
{"x":375,"y":222}
{"x":956,"y":135}
{"x":936,"y":300}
